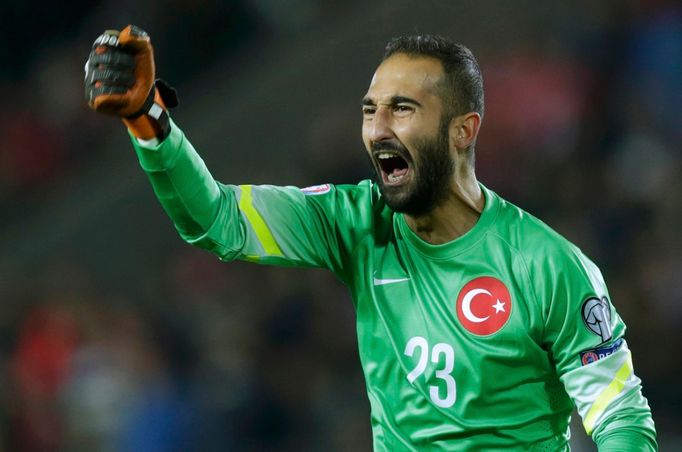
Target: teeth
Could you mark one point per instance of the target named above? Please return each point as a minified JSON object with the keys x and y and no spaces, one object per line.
{"x":384,"y":155}
{"x":392,"y":178}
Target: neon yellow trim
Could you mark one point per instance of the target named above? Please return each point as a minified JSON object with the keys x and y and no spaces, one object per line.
{"x":262,"y":232}
{"x":607,"y":396}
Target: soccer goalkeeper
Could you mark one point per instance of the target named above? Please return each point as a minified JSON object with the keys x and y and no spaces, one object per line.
{"x":479,"y":327}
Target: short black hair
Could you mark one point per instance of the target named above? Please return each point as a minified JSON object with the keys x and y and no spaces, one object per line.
{"x":463,"y":87}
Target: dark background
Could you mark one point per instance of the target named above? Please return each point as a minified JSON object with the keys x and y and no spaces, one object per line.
{"x":115,"y":335}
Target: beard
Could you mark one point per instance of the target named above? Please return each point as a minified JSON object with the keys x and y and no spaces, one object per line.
{"x":433,"y":168}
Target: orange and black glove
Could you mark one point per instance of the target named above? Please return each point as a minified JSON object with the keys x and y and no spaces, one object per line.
{"x":120,"y":81}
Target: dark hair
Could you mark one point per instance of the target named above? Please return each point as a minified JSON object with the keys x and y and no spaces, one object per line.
{"x":463,"y":87}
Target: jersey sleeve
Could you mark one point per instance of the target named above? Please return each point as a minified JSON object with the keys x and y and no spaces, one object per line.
{"x":585,"y":338}
{"x":284,"y":226}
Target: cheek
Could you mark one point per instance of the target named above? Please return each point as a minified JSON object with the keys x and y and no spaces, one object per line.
{"x":365,"y":137}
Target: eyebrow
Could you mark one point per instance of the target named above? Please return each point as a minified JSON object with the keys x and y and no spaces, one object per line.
{"x":395,"y":100}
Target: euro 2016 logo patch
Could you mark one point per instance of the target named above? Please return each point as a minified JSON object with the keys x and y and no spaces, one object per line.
{"x":596,"y":314}
{"x":484,"y":305}
{"x":316,"y":189}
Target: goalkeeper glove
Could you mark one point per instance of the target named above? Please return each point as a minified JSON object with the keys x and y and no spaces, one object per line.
{"x":119,"y":80}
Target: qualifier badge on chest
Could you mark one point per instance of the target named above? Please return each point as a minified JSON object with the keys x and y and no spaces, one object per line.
{"x":484,"y":305}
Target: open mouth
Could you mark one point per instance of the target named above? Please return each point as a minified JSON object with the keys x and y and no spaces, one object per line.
{"x":394,"y":168}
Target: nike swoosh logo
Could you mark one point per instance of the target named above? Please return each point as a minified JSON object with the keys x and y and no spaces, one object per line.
{"x":381,"y":282}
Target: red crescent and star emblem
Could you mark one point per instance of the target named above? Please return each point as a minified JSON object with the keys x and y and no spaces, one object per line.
{"x":484,"y":305}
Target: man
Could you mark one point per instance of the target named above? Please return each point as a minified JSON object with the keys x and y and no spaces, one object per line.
{"x":479,"y":327}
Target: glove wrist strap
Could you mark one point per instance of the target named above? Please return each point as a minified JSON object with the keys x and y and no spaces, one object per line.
{"x":152,"y":120}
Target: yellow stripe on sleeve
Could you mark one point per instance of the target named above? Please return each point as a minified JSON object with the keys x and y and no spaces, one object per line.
{"x":607,"y":396}
{"x":261,"y":229}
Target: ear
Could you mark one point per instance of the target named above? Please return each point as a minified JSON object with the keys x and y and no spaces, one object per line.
{"x":464,"y":130}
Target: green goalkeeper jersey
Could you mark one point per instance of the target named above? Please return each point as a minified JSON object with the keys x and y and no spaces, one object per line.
{"x":483,"y":343}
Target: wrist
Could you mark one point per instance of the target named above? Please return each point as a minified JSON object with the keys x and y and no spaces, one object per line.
{"x":151,"y":121}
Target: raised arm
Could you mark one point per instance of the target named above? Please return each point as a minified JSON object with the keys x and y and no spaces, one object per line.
{"x":266,"y":224}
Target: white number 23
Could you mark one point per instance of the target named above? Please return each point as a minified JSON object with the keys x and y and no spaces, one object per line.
{"x":444,"y":374}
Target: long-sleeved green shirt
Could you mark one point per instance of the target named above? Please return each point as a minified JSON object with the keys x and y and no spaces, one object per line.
{"x":483,"y":343}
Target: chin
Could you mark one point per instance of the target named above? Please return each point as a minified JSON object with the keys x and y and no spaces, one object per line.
{"x":395,"y":195}
{"x":402,"y":200}
{"x":411,"y":199}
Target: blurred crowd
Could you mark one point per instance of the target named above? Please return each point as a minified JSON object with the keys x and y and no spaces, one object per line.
{"x":583,"y":130}
{"x":215,"y":362}
{"x":46,"y":130}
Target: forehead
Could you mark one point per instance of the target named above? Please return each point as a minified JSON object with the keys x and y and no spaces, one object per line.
{"x":406,"y":75}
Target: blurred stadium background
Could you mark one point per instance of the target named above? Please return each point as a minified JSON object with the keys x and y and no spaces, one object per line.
{"x":115,"y":335}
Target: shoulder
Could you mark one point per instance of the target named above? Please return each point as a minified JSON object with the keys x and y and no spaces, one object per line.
{"x":363,"y":198}
{"x":357,"y":210}
{"x":359,"y":196}
{"x":542,"y":248}
{"x":365,"y":193}
{"x":362,"y":189}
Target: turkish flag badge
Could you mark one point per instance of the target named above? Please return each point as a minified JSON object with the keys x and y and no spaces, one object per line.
{"x":484,"y":305}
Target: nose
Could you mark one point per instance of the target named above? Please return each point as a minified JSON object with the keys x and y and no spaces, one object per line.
{"x":380,"y":126}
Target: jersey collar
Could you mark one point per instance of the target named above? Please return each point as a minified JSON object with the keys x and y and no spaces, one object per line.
{"x":460,"y":244}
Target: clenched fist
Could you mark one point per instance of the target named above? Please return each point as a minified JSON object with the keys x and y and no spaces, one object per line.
{"x":119,"y":80}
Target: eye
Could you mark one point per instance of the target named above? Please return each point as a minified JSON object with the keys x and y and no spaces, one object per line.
{"x":403,"y":109}
{"x":368,"y":110}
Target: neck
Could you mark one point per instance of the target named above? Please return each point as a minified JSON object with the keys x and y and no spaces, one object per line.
{"x":455,"y":216}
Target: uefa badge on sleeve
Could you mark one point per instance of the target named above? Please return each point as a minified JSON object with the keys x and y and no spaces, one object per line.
{"x":596,"y":314}
{"x":590,"y":356}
